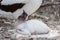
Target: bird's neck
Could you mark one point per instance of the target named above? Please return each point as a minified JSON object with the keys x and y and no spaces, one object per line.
{"x":18,"y":22}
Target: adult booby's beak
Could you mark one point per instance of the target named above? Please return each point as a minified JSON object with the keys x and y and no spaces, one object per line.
{"x":23,"y":16}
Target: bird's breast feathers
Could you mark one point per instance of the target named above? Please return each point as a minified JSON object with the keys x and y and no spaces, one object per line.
{"x":7,"y":7}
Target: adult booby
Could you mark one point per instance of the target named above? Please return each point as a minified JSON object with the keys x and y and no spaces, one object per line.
{"x":14,"y":8}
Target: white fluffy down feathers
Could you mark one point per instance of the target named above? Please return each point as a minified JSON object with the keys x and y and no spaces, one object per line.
{"x":36,"y":26}
{"x":33,"y":26}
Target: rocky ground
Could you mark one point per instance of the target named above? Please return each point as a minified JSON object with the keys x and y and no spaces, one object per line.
{"x":49,"y":12}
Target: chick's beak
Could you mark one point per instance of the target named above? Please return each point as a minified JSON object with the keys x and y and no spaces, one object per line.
{"x":23,"y":16}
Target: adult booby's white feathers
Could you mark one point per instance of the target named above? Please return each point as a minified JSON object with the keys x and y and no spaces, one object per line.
{"x":9,"y":2}
{"x":30,"y":7}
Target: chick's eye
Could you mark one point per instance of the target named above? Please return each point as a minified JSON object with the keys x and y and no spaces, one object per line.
{"x":20,"y":30}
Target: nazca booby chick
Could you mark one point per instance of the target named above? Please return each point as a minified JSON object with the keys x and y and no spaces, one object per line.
{"x":34,"y":28}
{"x":13,"y":9}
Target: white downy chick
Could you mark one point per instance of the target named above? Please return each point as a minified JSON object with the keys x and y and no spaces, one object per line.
{"x":30,"y":26}
{"x":33,"y":26}
{"x":38,"y":27}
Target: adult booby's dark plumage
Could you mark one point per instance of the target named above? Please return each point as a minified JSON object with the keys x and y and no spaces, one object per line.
{"x":11,"y":8}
